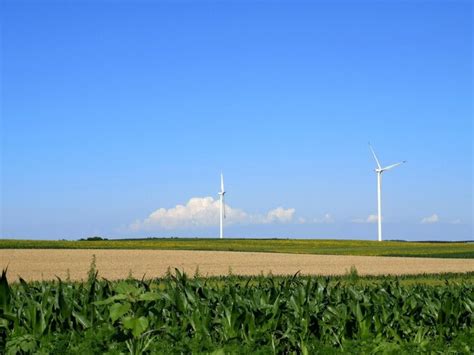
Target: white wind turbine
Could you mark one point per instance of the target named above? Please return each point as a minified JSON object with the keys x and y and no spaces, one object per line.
{"x":221,"y":195}
{"x":379,"y":170}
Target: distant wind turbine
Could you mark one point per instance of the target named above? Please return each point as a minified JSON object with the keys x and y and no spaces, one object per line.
{"x":379,"y":170}
{"x":221,"y":194}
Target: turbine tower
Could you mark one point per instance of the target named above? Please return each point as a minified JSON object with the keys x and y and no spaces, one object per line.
{"x":221,"y":195}
{"x":379,"y":170}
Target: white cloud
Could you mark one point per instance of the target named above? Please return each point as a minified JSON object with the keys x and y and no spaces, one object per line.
{"x":430,"y":219}
{"x":279,"y":215}
{"x":204,"y":211}
{"x":327,"y":218}
{"x":456,"y":221}
{"x":372,"y":218}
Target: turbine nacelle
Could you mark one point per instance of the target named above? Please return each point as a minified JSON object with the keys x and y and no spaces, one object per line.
{"x":381,"y":170}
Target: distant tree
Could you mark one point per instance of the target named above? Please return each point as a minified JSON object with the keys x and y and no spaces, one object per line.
{"x":93,"y":239}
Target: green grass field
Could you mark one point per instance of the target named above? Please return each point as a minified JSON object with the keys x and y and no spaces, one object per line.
{"x":298,"y":246}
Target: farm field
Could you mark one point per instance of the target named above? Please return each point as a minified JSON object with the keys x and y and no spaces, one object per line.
{"x":116,"y":301}
{"x":235,"y":314}
{"x":297,"y":246}
{"x":47,"y":264}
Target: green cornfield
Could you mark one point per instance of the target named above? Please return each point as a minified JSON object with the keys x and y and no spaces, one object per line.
{"x":295,"y":246}
{"x":235,"y":314}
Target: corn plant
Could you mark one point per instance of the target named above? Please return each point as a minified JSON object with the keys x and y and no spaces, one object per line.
{"x":235,"y":314}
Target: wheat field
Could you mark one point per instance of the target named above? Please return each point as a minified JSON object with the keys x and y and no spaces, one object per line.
{"x":47,"y":264}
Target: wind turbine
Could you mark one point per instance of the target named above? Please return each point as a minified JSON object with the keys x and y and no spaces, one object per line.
{"x":379,"y":170}
{"x":221,"y":195}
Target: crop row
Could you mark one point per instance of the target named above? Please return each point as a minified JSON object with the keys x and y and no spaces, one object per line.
{"x":178,"y":314}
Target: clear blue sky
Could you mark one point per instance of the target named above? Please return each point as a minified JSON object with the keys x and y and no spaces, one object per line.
{"x":114,"y":109}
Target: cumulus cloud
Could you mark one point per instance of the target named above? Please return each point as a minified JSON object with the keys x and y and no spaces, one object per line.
{"x":203,"y":212}
{"x":279,"y":215}
{"x":372,"y":218}
{"x":430,"y":219}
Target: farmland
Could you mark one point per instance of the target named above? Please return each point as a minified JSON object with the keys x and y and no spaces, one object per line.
{"x":47,"y":264}
{"x":296,"y":246}
{"x":297,"y":314}
{"x":115,"y":297}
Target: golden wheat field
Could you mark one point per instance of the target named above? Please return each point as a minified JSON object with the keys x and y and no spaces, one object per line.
{"x":46,"y":264}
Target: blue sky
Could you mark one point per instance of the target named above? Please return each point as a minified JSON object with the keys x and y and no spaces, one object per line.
{"x":112,"y":110}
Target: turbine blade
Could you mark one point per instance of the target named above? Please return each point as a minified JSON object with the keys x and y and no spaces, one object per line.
{"x":393,"y":165}
{"x":222,"y":182}
{"x":375,"y":156}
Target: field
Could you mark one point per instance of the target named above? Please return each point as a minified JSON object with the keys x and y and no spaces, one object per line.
{"x":294,"y":314}
{"x":116,"y":297}
{"x":46,"y":264}
{"x":297,"y":246}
